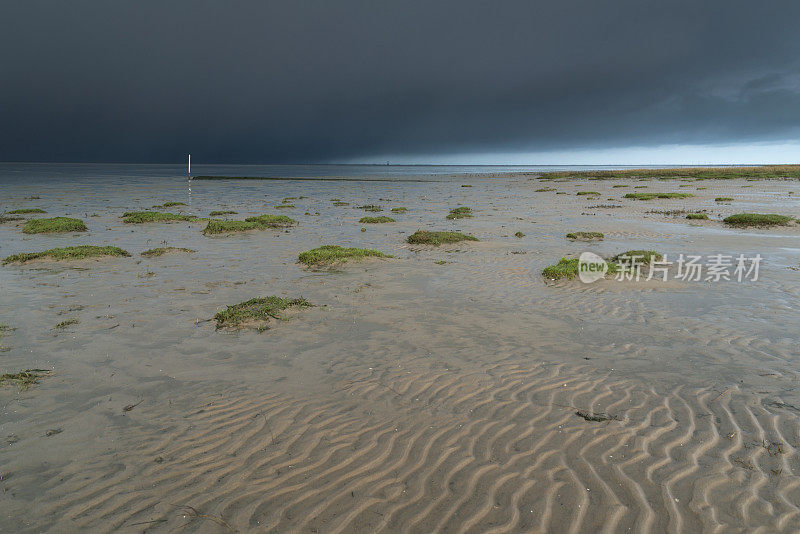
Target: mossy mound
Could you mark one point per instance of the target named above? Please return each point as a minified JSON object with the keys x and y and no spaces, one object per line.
{"x":651,"y":196}
{"x":332,"y":254}
{"x":400,"y":209}
{"x":757,"y":219}
{"x":141,"y":217}
{"x":584,"y":193}
{"x":54,"y":225}
{"x":697,"y":216}
{"x":462,"y":212}
{"x":641,"y":256}
{"x":545,"y":189}
{"x":260,"y":222}
{"x":257,"y":312}
{"x":376,"y":220}
{"x":222,"y":212}
{"x":424,"y":237}
{"x":568,"y":268}
{"x":370,"y":207}
{"x":24,"y":379}
{"x":170,"y":204}
{"x":160,"y":251}
{"x":519,"y":234}
{"x":26,"y":210}
{"x":585,"y":236}
{"x":284,"y":206}
{"x":723,"y":199}
{"x":67,"y":253}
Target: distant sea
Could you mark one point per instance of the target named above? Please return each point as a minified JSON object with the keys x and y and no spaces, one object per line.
{"x":51,"y":173}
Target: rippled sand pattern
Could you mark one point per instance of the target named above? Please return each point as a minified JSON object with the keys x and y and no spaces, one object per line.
{"x":495,"y":450}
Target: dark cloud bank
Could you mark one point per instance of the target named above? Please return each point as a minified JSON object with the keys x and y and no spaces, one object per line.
{"x":294,"y":81}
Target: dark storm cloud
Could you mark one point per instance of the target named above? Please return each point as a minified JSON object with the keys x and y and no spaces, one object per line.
{"x":313,"y":81}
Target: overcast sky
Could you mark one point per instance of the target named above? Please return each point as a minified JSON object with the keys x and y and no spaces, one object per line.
{"x":428,"y":81}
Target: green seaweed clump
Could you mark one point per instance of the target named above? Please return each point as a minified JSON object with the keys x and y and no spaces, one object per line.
{"x":697,"y":216}
{"x":585,"y":236}
{"x":67,"y":253}
{"x":26,"y":210}
{"x":376,"y":220}
{"x":260,"y":222}
{"x":332,"y":254}
{"x":141,"y":217}
{"x":170,"y":204}
{"x":424,"y":237}
{"x":370,"y":207}
{"x":400,"y":209}
{"x":257,"y":310}
{"x":519,"y":234}
{"x":568,"y":268}
{"x":757,"y":219}
{"x":24,"y":379}
{"x":723,"y":199}
{"x":651,"y":196}
{"x":160,"y":251}
{"x":69,"y":322}
{"x":642,"y":256}
{"x":221,"y":212}
{"x":284,"y":206}
{"x":54,"y":225}
{"x":461,"y":212}
{"x":582,"y":193}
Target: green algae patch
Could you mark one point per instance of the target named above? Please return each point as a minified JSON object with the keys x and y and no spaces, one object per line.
{"x":651,"y":196}
{"x":141,"y":217}
{"x":67,"y":253}
{"x":327,"y":255}
{"x":585,"y":236}
{"x":54,"y":225}
{"x":641,"y":256}
{"x":697,"y":216}
{"x":258,"y":312}
{"x":26,"y":210}
{"x":723,"y":199}
{"x":424,"y":237}
{"x":371,"y":207}
{"x":284,"y":206}
{"x":744,"y":220}
{"x":260,"y":222}
{"x":568,"y":268}
{"x":376,"y":220}
{"x":519,"y":234}
{"x":222,"y":212}
{"x":462,"y":212}
{"x":399,"y":209}
{"x":24,"y":379}
{"x":160,"y":251}
{"x":584,"y":193}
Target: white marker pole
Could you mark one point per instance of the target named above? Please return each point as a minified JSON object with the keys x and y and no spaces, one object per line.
{"x":189,"y":169}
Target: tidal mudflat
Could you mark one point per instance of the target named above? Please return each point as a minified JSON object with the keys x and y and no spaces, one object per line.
{"x":449,"y":387}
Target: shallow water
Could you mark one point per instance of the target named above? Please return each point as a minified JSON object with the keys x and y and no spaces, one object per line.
{"x":415,"y":397}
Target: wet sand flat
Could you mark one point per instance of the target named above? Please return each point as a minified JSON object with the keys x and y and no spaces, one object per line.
{"x":446,"y":389}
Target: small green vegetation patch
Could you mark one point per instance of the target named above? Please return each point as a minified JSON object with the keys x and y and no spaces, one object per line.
{"x":332,"y":254}
{"x":619,"y":185}
{"x":69,"y":322}
{"x":67,"y":253}
{"x":284,"y":206}
{"x":585,"y":236}
{"x":697,"y":216}
{"x":461,"y":212}
{"x":582,"y":193}
{"x":340,"y":203}
{"x":140,"y":217}
{"x":376,"y":220}
{"x":26,"y":210}
{"x":54,"y":225}
{"x":723,"y":199}
{"x":370,"y":207}
{"x":401,"y":209}
{"x":640,"y":256}
{"x":24,"y":379}
{"x":568,"y":268}
{"x":757,"y":219}
{"x":651,"y":196}
{"x":170,"y":204}
{"x":424,"y":237}
{"x":519,"y":234}
{"x":221,"y":212}
{"x":545,"y":189}
{"x":260,"y":222}
{"x":160,"y":251}
{"x":257,"y":312}
{"x":466,"y":185}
